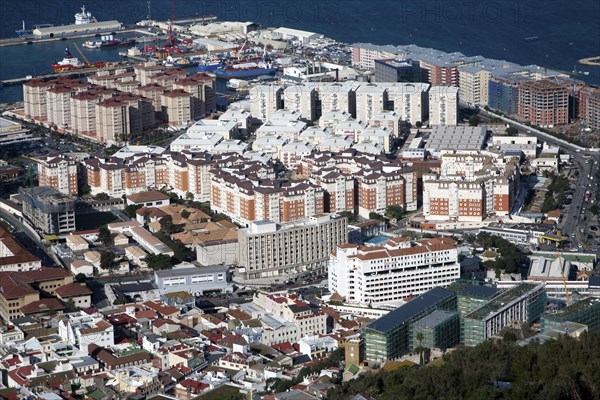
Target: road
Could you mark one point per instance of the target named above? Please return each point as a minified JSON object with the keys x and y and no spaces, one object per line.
{"x":36,"y":246}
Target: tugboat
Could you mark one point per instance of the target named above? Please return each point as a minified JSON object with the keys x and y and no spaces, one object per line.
{"x":70,"y":63}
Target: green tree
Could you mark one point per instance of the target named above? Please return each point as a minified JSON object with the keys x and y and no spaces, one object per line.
{"x":102,"y":196}
{"x":374,"y":215}
{"x":185,"y":214}
{"x":84,"y":190}
{"x":105,"y":237}
{"x":107,"y":260}
{"x":189,"y":196}
{"x":395,"y":212}
{"x":549,"y":204}
{"x":594,"y":209}
{"x":420,"y":338}
{"x":349,"y":215}
{"x":131,"y":210}
{"x":166,"y":224}
{"x":510,"y":131}
{"x":158,"y":261}
{"x":419,"y":124}
{"x":474,"y":120}
{"x":80,"y":277}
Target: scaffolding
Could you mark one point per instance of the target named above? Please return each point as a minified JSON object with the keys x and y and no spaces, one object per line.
{"x":586,"y":311}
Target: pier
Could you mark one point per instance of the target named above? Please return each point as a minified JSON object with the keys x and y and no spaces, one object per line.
{"x":593,"y":61}
{"x":16,"y":41}
{"x":74,"y":74}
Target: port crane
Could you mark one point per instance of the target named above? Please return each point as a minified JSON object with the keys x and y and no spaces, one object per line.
{"x":83,"y":57}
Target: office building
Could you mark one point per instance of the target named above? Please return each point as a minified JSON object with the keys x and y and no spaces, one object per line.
{"x":523,"y":303}
{"x":389,"y":337}
{"x":393,"y":271}
{"x":438,"y":330}
{"x":195,"y":280}
{"x":49,"y":210}
{"x":586,"y":311}
{"x":443,"y":105}
{"x":396,"y":70}
{"x":279,"y":251}
{"x":503,"y":94}
{"x":544,"y":103}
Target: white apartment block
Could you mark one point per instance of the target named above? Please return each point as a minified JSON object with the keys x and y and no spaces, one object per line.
{"x":443,"y":105}
{"x":364,"y":55}
{"x":195,"y":142}
{"x":329,"y":120}
{"x":387,"y":119}
{"x":292,"y":153}
{"x":301,"y":99}
{"x":265,"y":100}
{"x":352,"y":129}
{"x":227,"y":128}
{"x":371,"y":100}
{"x":380,"y":135}
{"x":411,"y":100}
{"x":288,"y":129}
{"x":270,"y":144}
{"x":272,"y":251}
{"x":338,"y":97}
{"x":81,"y":330}
{"x":473,"y":86}
{"x":389,"y":273}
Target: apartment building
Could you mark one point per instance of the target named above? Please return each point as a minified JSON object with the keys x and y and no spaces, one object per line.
{"x":83,"y":111}
{"x":265,"y":100}
{"x":143,"y":71}
{"x":245,"y":199}
{"x":278,"y":251}
{"x":544,"y":103}
{"x":339,"y":189}
{"x":393,"y":271}
{"x":589,"y":107}
{"x":371,"y":100}
{"x":438,"y":71}
{"x":152,"y":91}
{"x":443,"y":105}
{"x":389,"y":120}
{"x":13,"y":256}
{"x":204,"y":97}
{"x":365,"y":54}
{"x":470,"y":187}
{"x":58,"y":103}
{"x":397,"y":70}
{"x":503,"y":93}
{"x":301,"y":99}
{"x":35,"y":99}
{"x":379,"y":190}
{"x":474,"y":88}
{"x":141,"y":112}
{"x":60,"y":173}
{"x":49,"y":210}
{"x":338,"y":97}
{"x":176,"y":106}
{"x":112,"y":121}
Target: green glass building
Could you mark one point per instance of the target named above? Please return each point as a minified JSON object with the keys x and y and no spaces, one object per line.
{"x":586,"y":311}
{"x":440,"y":330}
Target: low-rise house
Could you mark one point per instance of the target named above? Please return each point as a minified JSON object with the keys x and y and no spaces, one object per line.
{"x":76,"y":294}
{"x":82,"y":267}
{"x":151,"y":198}
{"x":77,"y":243}
{"x":110,"y":362}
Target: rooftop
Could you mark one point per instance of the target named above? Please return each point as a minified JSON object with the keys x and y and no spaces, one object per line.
{"x":434,"y":319}
{"x":410,"y":310}
{"x":503,"y":299}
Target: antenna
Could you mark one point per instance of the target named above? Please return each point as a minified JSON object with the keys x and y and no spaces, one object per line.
{"x":149,"y":16}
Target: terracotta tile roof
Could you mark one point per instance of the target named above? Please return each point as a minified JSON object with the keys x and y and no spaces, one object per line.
{"x":149,"y":314}
{"x":161,"y":308}
{"x":151,"y":195}
{"x":43,"y":305}
{"x":72,"y":290}
{"x":12,"y":286}
{"x":45,"y":274}
{"x":239,"y":314}
{"x":20,"y":254}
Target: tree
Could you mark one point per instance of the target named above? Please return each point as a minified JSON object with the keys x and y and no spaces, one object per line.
{"x":102,"y":196}
{"x":84,"y":190}
{"x":374,"y":215}
{"x":158,"y":261}
{"x":107,"y":260}
{"x":474,"y":120}
{"x":185,"y":214}
{"x":350,"y":215}
{"x":105,"y":237}
{"x":420,"y":338}
{"x":594,"y":209}
{"x":395,"y":212}
{"x":510,"y":131}
{"x":80,"y":277}
{"x":189,"y":196}
{"x":166,"y":224}
{"x":549,"y":204}
{"x":131,"y":209}
{"x":419,"y":124}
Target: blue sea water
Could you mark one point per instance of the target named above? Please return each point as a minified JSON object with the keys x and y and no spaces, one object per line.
{"x":566,"y":30}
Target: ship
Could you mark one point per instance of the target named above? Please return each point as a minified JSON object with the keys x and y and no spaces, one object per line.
{"x":246,"y":70}
{"x":108,"y":41}
{"x":70,"y":64}
{"x":84,"y":17}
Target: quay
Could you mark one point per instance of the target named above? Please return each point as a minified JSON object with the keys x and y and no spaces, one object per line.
{"x":77,"y":74}
{"x":593,"y":61}
{"x":16,"y":41}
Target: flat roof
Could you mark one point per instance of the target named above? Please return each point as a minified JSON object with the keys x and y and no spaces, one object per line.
{"x":500,"y":301}
{"x":410,"y":310}
{"x":571,"y":311}
{"x":191,"y":270}
{"x":434,"y":319}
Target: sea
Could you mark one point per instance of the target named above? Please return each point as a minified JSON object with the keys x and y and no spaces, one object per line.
{"x":551,"y":33}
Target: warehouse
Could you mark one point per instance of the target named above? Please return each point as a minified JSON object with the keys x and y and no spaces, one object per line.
{"x":74,"y":30}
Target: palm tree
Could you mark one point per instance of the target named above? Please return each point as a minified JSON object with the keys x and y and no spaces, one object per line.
{"x":420,"y":338}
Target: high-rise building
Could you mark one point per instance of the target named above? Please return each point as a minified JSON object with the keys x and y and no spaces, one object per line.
{"x":51,"y":211}
{"x":265,"y":100}
{"x":371,"y":100}
{"x":544,"y":103}
{"x":474,"y":88}
{"x":301,"y":99}
{"x":397,"y":70}
{"x":443,"y":105}
{"x":176,"y":107}
{"x":279,"y":251}
{"x":503,"y":94}
{"x":338,"y":97}
{"x":589,"y":107}
{"x":60,"y":173}
{"x":202,"y":88}
{"x":410,"y":100}
{"x":112,"y":121}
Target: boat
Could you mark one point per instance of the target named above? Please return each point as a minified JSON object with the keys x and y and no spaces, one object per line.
{"x":246,"y":70}
{"x":237,"y":84}
{"x":532,"y":38}
{"x":84,"y":17}
{"x":91,"y":44}
{"x":108,"y":41}
{"x":70,"y":64}
{"x":209,"y":66}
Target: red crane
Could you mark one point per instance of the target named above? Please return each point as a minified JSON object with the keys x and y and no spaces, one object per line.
{"x":171,"y":40}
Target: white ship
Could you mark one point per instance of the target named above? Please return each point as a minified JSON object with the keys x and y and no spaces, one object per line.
{"x":84,"y":17}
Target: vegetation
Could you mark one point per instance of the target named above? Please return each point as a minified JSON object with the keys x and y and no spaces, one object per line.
{"x":374,"y":215}
{"x":350,"y":215}
{"x":185,"y":214}
{"x":555,"y":195}
{"x":395,"y":212}
{"x":131,"y":209}
{"x":105,"y":237}
{"x":566,"y":368}
{"x":102,"y":196}
{"x":510,"y":131}
{"x":474,"y":120}
{"x":181,"y":253}
{"x":510,"y":258}
{"x":224,"y":392}
{"x":418,"y":124}
{"x":107,"y":260}
{"x":594,"y":209}
{"x":167,"y":226}
{"x":158,"y":261}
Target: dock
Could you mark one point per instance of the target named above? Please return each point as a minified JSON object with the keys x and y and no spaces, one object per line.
{"x":593,"y":61}
{"x":16,"y":41}
{"x":75,"y":74}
